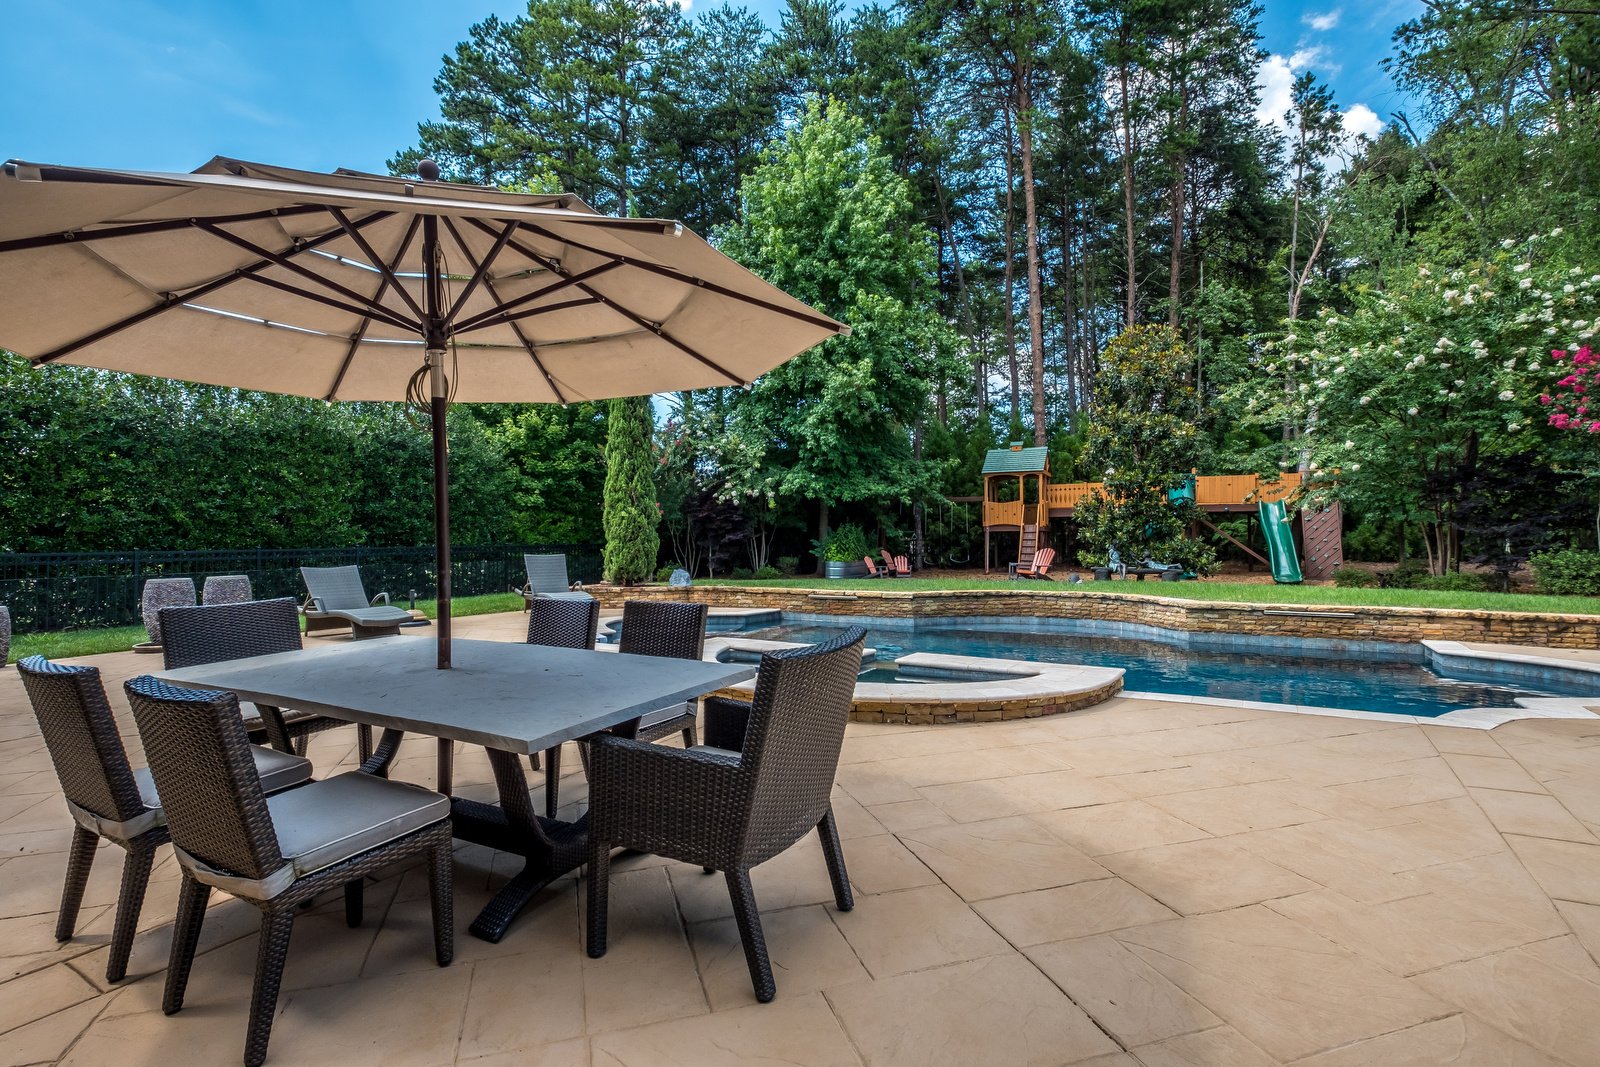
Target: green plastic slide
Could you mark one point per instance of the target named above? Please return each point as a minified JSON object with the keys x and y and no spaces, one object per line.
{"x":1279,"y":533}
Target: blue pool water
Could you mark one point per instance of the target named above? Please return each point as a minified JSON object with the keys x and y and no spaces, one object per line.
{"x":1391,"y":686}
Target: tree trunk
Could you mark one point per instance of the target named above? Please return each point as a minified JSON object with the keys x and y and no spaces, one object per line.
{"x":1010,"y":273}
{"x":1175,"y":268}
{"x":1131,"y":315}
{"x":1041,"y":431}
{"x":822,"y":534}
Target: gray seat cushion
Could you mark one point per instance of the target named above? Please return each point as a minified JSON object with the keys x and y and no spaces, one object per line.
{"x":558,"y":596}
{"x":277,"y":770}
{"x":370,"y":616}
{"x":330,"y":821}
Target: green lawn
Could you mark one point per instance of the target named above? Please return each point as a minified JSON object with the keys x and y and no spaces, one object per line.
{"x":67,"y":644}
{"x":1235,"y":592}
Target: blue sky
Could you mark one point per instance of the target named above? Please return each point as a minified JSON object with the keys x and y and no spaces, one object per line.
{"x":167,"y":84}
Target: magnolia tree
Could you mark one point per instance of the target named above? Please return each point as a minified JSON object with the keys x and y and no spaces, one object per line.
{"x":1390,"y":406}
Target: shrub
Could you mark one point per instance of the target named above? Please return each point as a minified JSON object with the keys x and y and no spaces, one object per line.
{"x":766,"y":574}
{"x":1354,"y":578}
{"x":1570,"y":571}
{"x":1409,"y":574}
{"x":789,"y":566}
{"x":845,"y":544}
{"x":664,"y":574}
{"x":740,"y":574}
{"x":1454,"y":582}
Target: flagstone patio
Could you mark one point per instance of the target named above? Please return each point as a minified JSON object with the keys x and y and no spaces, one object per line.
{"x":1142,"y":882}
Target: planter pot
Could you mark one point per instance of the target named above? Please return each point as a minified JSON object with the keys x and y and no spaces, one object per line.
{"x":855,"y":569}
{"x":1102,"y":574}
{"x":164,"y":593}
{"x":226,"y":589}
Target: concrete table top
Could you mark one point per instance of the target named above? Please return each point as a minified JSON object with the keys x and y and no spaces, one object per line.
{"x":499,"y":694}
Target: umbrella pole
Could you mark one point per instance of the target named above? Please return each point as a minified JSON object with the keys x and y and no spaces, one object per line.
{"x":438,"y":406}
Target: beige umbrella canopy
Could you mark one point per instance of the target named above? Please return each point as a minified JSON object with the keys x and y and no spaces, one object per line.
{"x":351,"y":286}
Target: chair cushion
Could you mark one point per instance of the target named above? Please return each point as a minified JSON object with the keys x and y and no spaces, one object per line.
{"x":252,"y":717}
{"x":330,"y":821}
{"x":371,"y":616}
{"x":277,"y":770}
{"x":559,"y":596}
{"x":668,"y":714}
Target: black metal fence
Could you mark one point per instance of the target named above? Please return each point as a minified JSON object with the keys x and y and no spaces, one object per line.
{"x":80,"y":590}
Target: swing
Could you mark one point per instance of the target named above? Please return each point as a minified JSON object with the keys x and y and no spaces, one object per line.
{"x":966,"y":534}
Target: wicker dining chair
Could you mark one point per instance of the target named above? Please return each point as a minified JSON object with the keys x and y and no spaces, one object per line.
{"x":560,"y":623}
{"x":762,"y":782}
{"x":109,"y":798}
{"x":210,"y":633}
{"x":276,"y":852}
{"x":664,"y":628}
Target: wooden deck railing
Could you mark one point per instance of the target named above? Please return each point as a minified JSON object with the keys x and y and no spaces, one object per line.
{"x":1211,"y":490}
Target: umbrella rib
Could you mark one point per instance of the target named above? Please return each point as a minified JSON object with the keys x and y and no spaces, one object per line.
{"x":139,"y":229}
{"x":360,"y":311}
{"x":582,"y":301}
{"x":173,"y":300}
{"x":689,"y":279}
{"x":378,"y":310}
{"x":488,"y":283}
{"x":495,"y":316}
{"x":481,"y":271}
{"x":361,"y":330}
{"x":638,"y":320}
{"x":377,"y":261}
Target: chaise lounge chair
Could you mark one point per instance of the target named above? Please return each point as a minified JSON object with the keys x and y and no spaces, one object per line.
{"x":547,"y":577}
{"x":335,"y":599}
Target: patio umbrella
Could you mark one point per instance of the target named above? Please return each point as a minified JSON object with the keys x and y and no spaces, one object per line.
{"x":351,"y":286}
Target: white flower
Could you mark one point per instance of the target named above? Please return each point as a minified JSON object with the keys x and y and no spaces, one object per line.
{"x":1323,"y":383}
{"x":1508,"y":243}
{"x":1521,"y":267}
{"x":1365,"y":401}
{"x":1411,"y":411}
{"x":1507,"y":394}
{"x":1460,"y":383}
{"x":1567,"y":288}
{"x":1514,"y":426}
{"x":1355,"y":466}
{"x":1451,"y":294}
{"x":1526,"y":283}
{"x":1557,"y":232}
{"x":1301,"y":388}
{"x":1349,"y":445}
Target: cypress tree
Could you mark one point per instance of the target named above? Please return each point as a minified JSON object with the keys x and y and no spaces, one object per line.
{"x":631,"y":514}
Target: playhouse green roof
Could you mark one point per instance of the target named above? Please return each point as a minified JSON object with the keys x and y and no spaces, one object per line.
{"x":1018,"y":461}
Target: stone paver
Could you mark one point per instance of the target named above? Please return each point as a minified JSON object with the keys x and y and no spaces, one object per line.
{"x":1143,"y":884}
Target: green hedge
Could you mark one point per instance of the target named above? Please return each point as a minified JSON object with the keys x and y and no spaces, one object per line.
{"x":1571,"y":572}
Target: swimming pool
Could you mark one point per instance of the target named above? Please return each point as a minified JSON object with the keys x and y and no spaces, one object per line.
{"x":1392,"y":685}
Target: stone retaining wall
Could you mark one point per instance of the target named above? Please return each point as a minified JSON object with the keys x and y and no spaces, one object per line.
{"x":1399,"y":625}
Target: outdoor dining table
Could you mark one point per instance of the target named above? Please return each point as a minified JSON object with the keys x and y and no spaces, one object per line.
{"x":512,"y":699}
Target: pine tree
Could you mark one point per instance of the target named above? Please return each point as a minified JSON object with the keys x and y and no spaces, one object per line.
{"x":631,"y":514}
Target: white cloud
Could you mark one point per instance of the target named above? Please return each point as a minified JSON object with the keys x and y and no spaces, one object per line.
{"x":1323,"y":22}
{"x":1361,"y":121}
{"x":1276,"y":79}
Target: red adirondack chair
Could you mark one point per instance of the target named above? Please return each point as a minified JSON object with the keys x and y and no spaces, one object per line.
{"x":872,"y":568}
{"x":902,"y":567}
{"x":1040,"y":567}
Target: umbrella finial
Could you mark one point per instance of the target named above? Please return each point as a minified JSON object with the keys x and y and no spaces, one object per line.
{"x":428,"y":170}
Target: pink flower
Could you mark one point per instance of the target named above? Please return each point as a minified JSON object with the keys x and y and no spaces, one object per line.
{"x":1560,"y":421}
{"x":1558,"y":354}
{"x":1544,"y":398}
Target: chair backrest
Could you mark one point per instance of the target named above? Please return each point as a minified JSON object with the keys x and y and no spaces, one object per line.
{"x":884,"y":552}
{"x":547,"y":574}
{"x":794,"y":734}
{"x":872,"y":568}
{"x":82,"y":737}
{"x":563,"y":623}
{"x":208,"y":633}
{"x":663,"y":628}
{"x":338,"y":588}
{"x":1042,"y":559}
{"x":902,"y":564}
{"x":200,"y":759}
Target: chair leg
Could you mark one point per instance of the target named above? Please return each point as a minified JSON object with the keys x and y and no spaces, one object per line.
{"x":79,"y":861}
{"x":354,"y":902}
{"x":599,"y":890}
{"x":828,"y":830}
{"x":192,"y":899}
{"x":552,"y":782}
{"x":755,"y":943}
{"x":300,"y":743}
{"x":276,"y":929}
{"x":690,"y":738}
{"x":364,"y":741}
{"x":135,"y":878}
{"x":440,"y":868}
